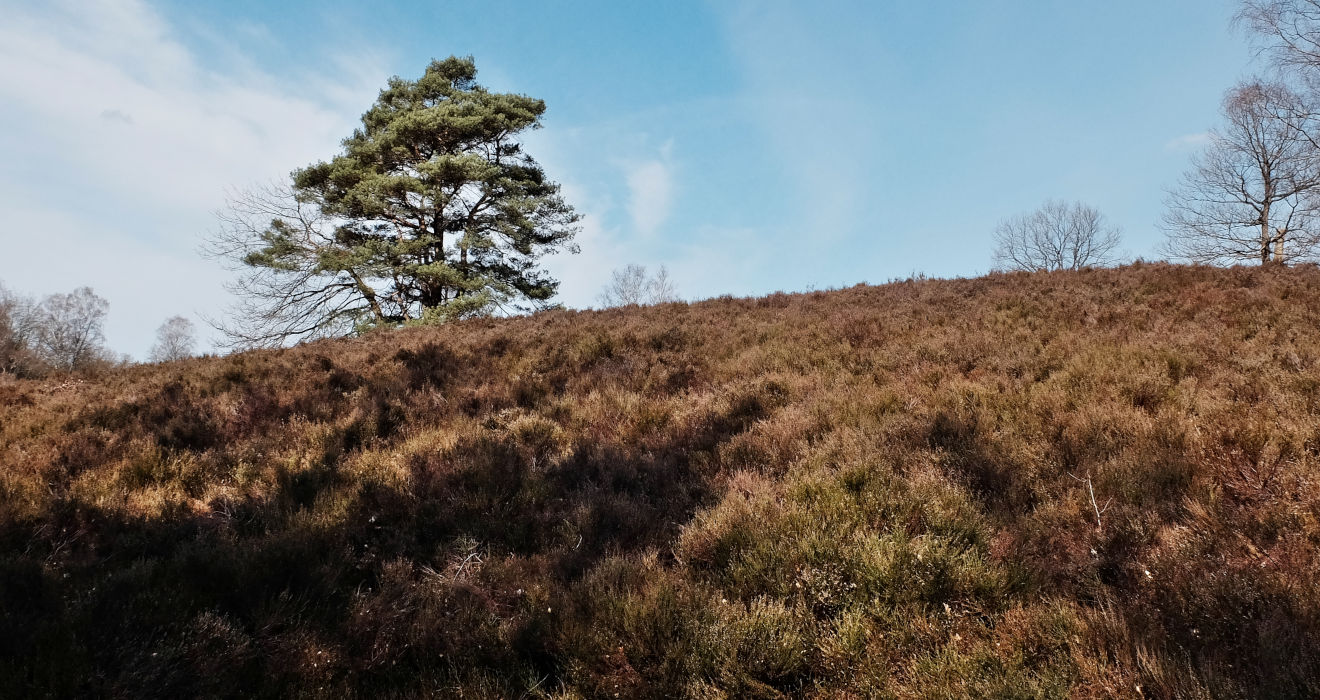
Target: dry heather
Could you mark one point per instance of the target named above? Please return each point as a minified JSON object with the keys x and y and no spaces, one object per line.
{"x":1093,"y":484}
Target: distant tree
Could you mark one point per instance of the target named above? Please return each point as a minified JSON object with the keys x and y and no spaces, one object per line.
{"x":67,"y":329}
{"x":1252,"y":194}
{"x":8,"y":340}
{"x":1057,"y":236}
{"x":663,"y":290}
{"x":431,"y":212}
{"x":632,"y":285}
{"x":16,"y":335}
{"x":175,"y":340}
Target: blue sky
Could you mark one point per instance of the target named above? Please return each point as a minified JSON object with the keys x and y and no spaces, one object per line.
{"x":748,"y":146}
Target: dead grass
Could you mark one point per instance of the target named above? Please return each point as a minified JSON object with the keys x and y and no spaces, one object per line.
{"x":873,"y":492}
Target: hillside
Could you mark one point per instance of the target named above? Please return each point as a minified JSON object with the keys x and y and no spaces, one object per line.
{"x":1094,"y":484}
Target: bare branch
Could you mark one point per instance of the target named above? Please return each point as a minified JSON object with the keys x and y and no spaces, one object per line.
{"x":296,"y":280}
{"x":1252,"y":194}
{"x":630,"y":285}
{"x":175,"y":340}
{"x":1057,"y":236}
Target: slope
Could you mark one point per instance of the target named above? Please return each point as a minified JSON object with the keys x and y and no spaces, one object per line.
{"x":1088,"y":484}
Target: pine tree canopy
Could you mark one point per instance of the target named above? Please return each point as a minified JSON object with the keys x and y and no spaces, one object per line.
{"x":431,"y":212}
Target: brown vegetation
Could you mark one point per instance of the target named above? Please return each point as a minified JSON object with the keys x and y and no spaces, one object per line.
{"x":1102,"y":483}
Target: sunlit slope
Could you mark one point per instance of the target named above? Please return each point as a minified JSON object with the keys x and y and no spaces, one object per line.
{"x":1092,"y":484}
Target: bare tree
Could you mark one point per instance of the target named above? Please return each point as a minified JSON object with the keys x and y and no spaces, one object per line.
{"x":1057,"y":236}
{"x":306,"y":300}
{"x":1252,"y":194}
{"x":17,"y":333}
{"x":662,"y":288}
{"x":1288,"y":31}
{"x":8,"y":340}
{"x":631,"y":285}
{"x":175,"y":340}
{"x":68,"y":331}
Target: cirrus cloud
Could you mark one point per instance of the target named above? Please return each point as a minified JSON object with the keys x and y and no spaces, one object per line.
{"x":121,"y":140}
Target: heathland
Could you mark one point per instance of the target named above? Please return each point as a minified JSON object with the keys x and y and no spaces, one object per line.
{"x":1102,"y":483}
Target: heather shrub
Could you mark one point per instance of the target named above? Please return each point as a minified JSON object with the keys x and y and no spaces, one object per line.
{"x":1089,"y":484}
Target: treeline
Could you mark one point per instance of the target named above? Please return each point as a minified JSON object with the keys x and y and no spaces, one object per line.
{"x":62,"y":332}
{"x":65,"y":333}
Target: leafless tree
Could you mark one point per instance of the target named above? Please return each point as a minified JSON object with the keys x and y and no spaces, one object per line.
{"x":68,"y":331}
{"x":632,"y":285}
{"x":175,"y":340}
{"x":1057,"y":236}
{"x":1252,"y":194}
{"x":662,"y":289}
{"x":8,"y":342}
{"x":294,"y":302}
{"x":1288,"y":32}
{"x":17,"y":333}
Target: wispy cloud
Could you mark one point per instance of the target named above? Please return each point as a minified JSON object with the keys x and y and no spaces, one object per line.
{"x":115,"y":115}
{"x":1188,"y":141}
{"x":651,"y":192}
{"x":123,"y":139}
{"x":811,"y":110}
{"x":582,"y":276}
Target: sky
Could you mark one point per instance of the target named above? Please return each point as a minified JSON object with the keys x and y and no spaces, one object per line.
{"x":749,"y":147}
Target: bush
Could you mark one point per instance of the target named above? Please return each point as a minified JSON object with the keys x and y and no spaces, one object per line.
{"x":1090,"y":484}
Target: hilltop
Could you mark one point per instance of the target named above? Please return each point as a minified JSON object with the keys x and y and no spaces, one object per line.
{"x":1092,"y":484}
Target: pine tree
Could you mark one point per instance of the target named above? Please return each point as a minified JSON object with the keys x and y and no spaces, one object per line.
{"x":432,"y":212}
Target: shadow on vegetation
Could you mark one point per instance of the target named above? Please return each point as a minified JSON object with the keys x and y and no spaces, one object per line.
{"x":1091,"y":484}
